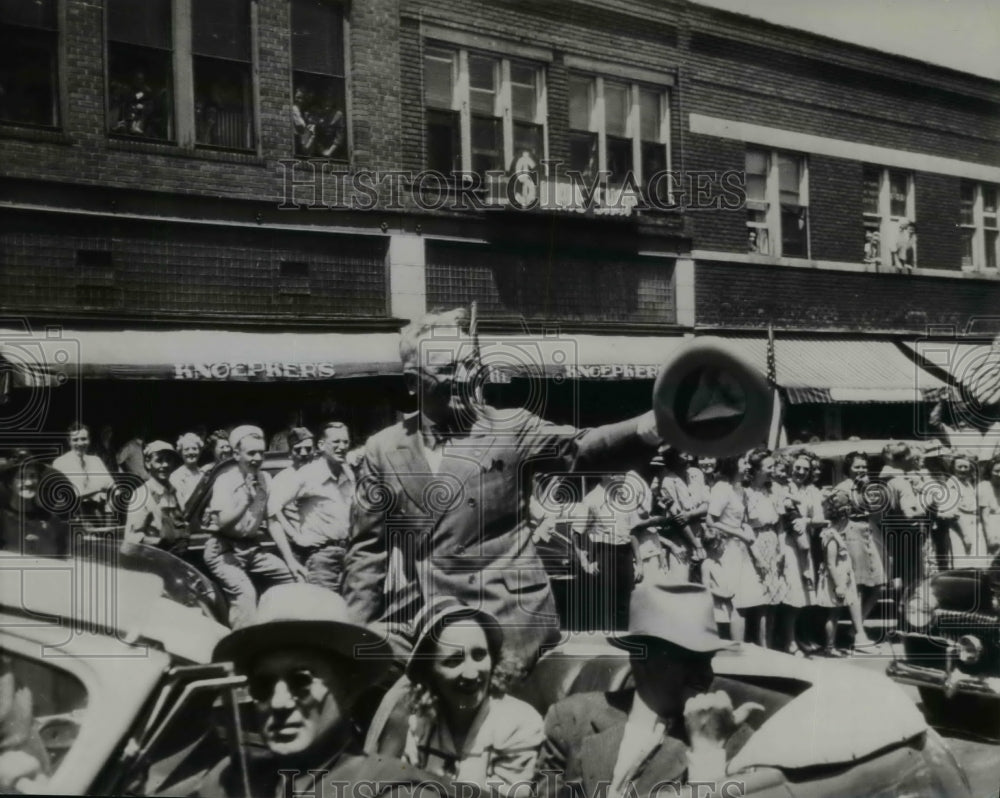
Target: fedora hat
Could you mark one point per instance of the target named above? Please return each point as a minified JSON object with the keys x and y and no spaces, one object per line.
{"x":436,"y":615}
{"x":301,"y":615}
{"x":682,"y":614}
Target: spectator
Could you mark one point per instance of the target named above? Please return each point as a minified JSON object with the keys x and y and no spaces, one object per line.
{"x":158,"y":521}
{"x":901,"y":519}
{"x":736,"y":573}
{"x":461,"y":724}
{"x":836,"y":587}
{"x":684,"y":512}
{"x":220,"y":447}
{"x":873,"y":248}
{"x":802,"y":516}
{"x":862,"y":535}
{"x":188,"y":474}
{"x":904,"y":253}
{"x":237,"y":508}
{"x":131,"y":459}
{"x":303,"y":126}
{"x":280,"y":440}
{"x":970,"y":542}
{"x":26,"y":525}
{"x":989,"y":505}
{"x":304,"y":676}
{"x":105,"y":449}
{"x":321,"y":492}
{"x":761,"y":510}
{"x":331,"y":130}
{"x":86,"y":472}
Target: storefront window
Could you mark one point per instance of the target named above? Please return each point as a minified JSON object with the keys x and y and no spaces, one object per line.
{"x":28,"y":63}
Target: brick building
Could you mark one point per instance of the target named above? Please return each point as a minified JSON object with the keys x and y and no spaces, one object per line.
{"x":206,"y":173}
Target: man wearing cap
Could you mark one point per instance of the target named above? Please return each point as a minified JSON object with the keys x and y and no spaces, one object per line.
{"x":237,"y":507}
{"x":442,"y":498}
{"x":668,"y":728}
{"x":156,"y":521}
{"x":312,"y":509}
{"x":306,"y":661}
{"x":302,"y":448}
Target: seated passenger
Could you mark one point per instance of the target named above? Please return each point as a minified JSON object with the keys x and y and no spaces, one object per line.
{"x":669,"y":728}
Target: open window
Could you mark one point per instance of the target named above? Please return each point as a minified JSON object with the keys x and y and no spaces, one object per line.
{"x":29,"y":63}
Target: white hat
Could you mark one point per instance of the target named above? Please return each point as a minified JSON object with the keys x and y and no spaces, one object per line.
{"x":244,"y":431}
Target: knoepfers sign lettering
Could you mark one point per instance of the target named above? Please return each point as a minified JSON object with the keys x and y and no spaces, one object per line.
{"x":253,"y":371}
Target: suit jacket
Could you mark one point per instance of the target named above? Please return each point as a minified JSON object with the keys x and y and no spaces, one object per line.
{"x":464,"y":532}
{"x":583,"y":734}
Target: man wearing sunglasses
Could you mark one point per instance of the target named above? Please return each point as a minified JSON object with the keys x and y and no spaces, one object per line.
{"x":307,"y":662}
{"x":312,"y":506}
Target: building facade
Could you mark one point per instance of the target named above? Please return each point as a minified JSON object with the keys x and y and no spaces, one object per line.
{"x":263,"y":191}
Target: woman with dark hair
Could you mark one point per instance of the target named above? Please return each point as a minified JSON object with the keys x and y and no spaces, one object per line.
{"x":988,"y":494}
{"x":26,"y":526}
{"x":461,"y":722}
{"x":762,"y":505}
{"x":862,"y":535}
{"x":734,"y":574}
{"x":836,"y":587}
{"x":969,"y":542}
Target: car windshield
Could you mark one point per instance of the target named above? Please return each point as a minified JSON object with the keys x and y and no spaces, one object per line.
{"x":182,"y":582}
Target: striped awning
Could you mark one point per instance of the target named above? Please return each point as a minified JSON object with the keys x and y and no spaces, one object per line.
{"x":829,"y":370}
{"x":974,"y":366}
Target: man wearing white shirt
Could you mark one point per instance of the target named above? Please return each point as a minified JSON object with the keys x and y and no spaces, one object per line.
{"x":86,"y":472}
{"x":310,"y":507}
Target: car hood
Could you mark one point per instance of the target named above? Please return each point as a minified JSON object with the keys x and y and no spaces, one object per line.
{"x":847,"y":713}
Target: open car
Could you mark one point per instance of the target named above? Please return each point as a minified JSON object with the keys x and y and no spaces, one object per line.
{"x":948,"y":646}
{"x":828,"y":728}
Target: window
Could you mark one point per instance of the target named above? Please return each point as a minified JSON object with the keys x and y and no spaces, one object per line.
{"x":145,"y":40}
{"x":140,"y":69}
{"x":978,"y":223}
{"x":220,"y":47}
{"x":319,"y":97}
{"x":777,"y":203}
{"x":887,"y":213}
{"x":617,"y":127}
{"x":28,"y":58}
{"x":482,"y":112}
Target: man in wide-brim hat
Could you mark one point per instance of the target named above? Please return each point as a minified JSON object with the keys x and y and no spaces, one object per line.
{"x":669,"y":727}
{"x":307,"y":662}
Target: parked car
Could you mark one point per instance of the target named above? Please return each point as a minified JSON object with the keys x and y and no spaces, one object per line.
{"x":948,"y":646}
{"x":827,"y":729}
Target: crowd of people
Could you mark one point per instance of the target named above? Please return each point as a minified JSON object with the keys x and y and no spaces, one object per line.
{"x":429,"y":548}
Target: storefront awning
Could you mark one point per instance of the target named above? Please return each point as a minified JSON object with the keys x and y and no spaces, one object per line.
{"x":56,"y":355}
{"x":975,"y":366}
{"x":827,"y":370}
{"x":585,"y":357}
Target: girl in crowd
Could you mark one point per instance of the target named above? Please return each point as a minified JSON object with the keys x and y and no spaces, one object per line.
{"x":219,"y":447}
{"x":836,"y":587}
{"x":26,"y":526}
{"x":862,"y":535}
{"x":188,"y":474}
{"x":461,"y":722}
{"x":989,"y":505}
{"x":761,"y":506}
{"x":735,"y":575}
{"x":803,"y":519}
{"x":684,"y":510}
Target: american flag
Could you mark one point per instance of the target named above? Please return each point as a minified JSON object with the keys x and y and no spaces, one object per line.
{"x":772,"y":366}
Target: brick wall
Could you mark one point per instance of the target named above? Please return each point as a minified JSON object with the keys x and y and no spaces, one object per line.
{"x":835,"y":221}
{"x":744,"y":295}
{"x":939,"y":242}
{"x":156,"y":268}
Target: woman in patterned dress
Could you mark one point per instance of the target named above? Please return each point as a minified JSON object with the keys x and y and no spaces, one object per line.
{"x":761,"y":503}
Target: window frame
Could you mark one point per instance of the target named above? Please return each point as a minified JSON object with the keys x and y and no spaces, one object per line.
{"x":884,"y":221}
{"x":59,"y":102}
{"x":182,"y":125}
{"x":503,"y":102}
{"x":598,"y":121}
{"x":983,"y":223}
{"x":773,"y":206}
